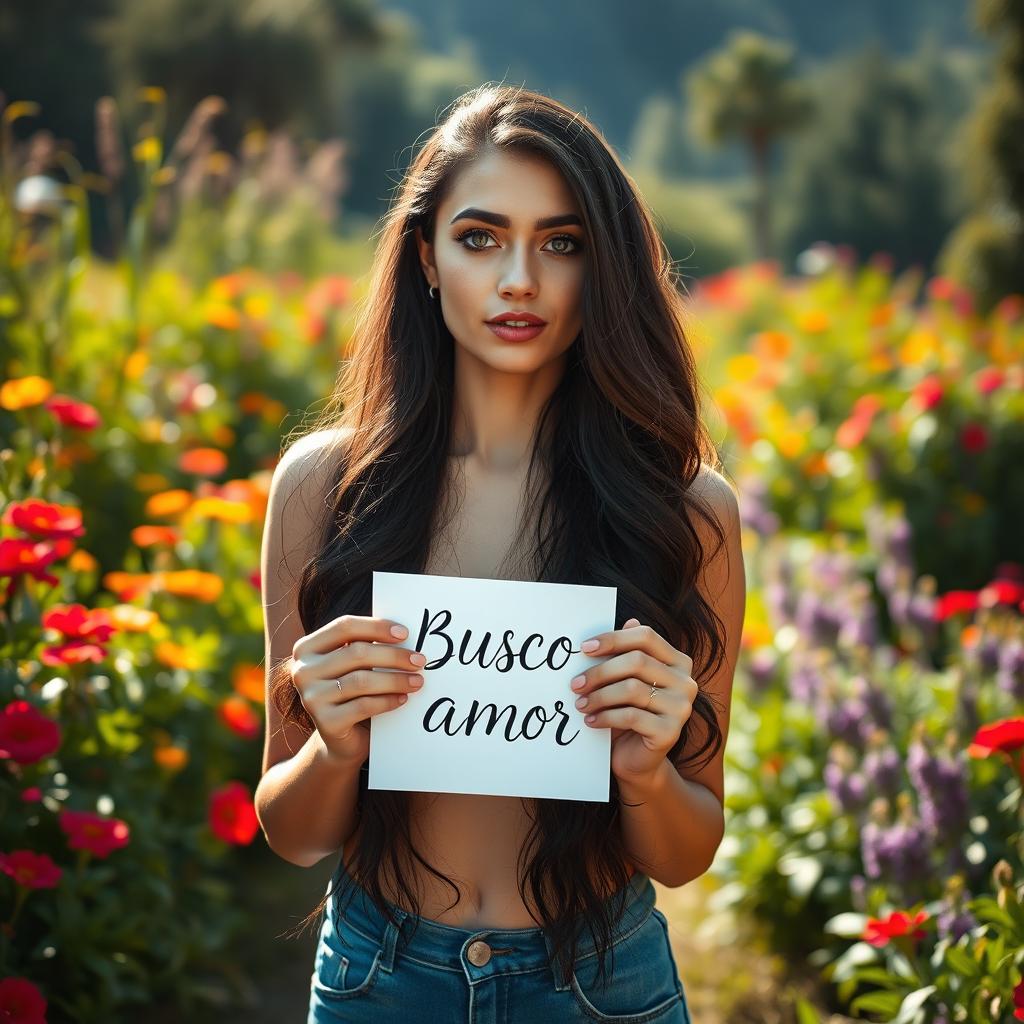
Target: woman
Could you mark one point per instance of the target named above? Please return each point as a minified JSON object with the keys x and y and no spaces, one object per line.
{"x":453,"y":446}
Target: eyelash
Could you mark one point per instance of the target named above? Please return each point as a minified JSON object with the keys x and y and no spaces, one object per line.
{"x":481,"y":231}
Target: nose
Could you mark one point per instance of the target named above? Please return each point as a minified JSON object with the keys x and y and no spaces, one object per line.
{"x":517,"y":277}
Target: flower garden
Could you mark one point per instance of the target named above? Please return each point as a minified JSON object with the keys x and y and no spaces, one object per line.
{"x":874,"y":424}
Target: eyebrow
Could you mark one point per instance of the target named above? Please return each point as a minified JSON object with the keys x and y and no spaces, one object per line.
{"x":501,"y":221}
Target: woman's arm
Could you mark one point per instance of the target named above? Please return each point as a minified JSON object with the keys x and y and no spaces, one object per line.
{"x":306,"y":799}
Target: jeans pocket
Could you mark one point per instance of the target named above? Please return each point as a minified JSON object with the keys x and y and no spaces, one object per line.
{"x":639,"y":986}
{"x":347,"y":962}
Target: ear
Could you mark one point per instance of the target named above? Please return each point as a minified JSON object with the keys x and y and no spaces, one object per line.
{"x":426,"y":251}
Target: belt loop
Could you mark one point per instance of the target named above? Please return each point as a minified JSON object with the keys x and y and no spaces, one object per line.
{"x":390,"y":940}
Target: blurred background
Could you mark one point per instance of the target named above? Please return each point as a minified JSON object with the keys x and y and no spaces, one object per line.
{"x":190,"y":192}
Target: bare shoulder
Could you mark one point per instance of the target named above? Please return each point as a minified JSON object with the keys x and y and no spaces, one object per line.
{"x":717,"y":494}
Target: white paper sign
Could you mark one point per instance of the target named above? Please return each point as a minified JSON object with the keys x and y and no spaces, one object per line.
{"x":495,"y":714}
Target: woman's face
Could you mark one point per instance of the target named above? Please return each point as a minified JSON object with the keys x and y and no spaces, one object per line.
{"x":489,"y":257}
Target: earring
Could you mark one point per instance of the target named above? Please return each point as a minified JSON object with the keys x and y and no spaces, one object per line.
{"x":430,"y":292}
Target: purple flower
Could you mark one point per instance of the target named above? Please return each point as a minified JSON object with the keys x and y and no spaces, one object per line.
{"x":897,"y":853}
{"x":761,"y":667}
{"x":952,"y":923}
{"x":942,"y":794}
{"x":883,"y":770}
{"x":1010,"y":673}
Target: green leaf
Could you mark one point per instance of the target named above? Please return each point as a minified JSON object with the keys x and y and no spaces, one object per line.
{"x":805,"y":1013}
{"x":962,"y":962}
{"x":912,"y":1003}
{"x":879,"y":1002}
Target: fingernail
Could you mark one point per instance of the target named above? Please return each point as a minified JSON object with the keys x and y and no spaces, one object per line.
{"x":582,"y":702}
{"x":418,"y":659}
{"x":577,"y":683}
{"x":399,"y":631}
{"x":590,"y":645}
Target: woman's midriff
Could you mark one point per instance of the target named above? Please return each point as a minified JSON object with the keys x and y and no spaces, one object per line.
{"x":474,"y":840}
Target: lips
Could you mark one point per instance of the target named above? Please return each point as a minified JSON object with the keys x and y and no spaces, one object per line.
{"x":527,"y":318}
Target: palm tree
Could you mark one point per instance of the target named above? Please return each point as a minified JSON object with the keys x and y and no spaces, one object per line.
{"x":746,"y":91}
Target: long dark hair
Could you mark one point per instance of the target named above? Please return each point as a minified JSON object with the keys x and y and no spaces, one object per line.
{"x":620,"y":442}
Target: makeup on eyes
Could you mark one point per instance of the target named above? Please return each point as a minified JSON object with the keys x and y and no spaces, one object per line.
{"x":460,"y":238}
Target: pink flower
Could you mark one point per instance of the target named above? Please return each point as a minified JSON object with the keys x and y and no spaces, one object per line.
{"x":26,"y":734}
{"x":30,"y":870}
{"x":21,"y":1002}
{"x":92,"y":832}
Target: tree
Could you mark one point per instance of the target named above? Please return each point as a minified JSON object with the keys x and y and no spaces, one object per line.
{"x":986,"y":251}
{"x":746,"y":91}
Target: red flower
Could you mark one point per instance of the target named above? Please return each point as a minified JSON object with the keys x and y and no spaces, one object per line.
{"x":32,"y":794}
{"x":32,"y":557}
{"x":973,"y":438}
{"x":21,"y":1002}
{"x":1001,"y":592}
{"x":44,"y":518}
{"x":26,"y":734}
{"x":232,"y":814}
{"x":1003,"y":737}
{"x":72,"y":413}
{"x":30,"y":870}
{"x":237,"y":714}
{"x":92,"y":832}
{"x":989,"y":379}
{"x":78,"y":652}
{"x":928,"y":392}
{"x":77,"y":622}
{"x":955,"y":602}
{"x":1018,"y":1001}
{"x":880,"y":930}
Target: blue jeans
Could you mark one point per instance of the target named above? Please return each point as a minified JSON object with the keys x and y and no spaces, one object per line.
{"x":367,"y":969}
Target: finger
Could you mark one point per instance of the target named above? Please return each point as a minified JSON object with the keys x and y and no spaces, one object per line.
{"x":657,"y":730}
{"x":345,"y":717}
{"x":359,"y":684}
{"x":645,"y":638}
{"x":361,"y":654}
{"x":629,"y":692}
{"x":633,"y":663}
{"x":347,"y":628}
{"x":630,"y":623}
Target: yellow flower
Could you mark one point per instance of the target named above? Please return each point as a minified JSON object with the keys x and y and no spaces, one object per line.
{"x":22,"y":392}
{"x":813,"y":321}
{"x":204,"y":586}
{"x":219,"y":508}
{"x":741,"y":368}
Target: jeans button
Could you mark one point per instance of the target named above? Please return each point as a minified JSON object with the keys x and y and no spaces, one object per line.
{"x":479,"y":953}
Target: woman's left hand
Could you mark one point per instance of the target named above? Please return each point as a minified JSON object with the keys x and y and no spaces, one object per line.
{"x":645,"y":724}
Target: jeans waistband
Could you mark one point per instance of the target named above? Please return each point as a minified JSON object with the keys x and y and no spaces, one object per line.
{"x":443,"y":945}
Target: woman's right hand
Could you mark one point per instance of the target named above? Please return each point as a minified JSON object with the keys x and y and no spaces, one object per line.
{"x":348,"y":649}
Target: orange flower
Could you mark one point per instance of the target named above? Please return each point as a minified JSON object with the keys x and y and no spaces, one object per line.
{"x":176,"y":656}
{"x":168,"y":503}
{"x":247,"y":679}
{"x":237,"y":714}
{"x":203,"y":461}
{"x":203,"y":586}
{"x":171,"y":757}
{"x":772,"y":345}
{"x":226,"y":317}
{"x":150,"y":536}
{"x":129,"y":585}
{"x":23,"y":392}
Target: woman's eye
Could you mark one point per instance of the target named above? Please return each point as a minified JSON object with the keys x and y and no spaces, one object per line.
{"x":574,"y":247}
